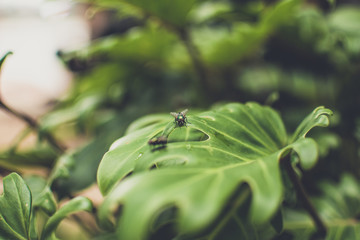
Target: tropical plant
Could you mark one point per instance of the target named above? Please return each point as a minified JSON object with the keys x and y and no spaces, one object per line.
{"x":206,"y":172}
{"x":241,"y":163}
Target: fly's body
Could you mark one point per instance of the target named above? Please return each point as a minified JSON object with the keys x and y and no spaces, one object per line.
{"x":180,"y":118}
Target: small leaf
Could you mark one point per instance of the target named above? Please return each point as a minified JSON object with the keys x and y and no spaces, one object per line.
{"x":307,"y":151}
{"x":318,"y":118}
{"x":62,"y":168}
{"x":15,"y":205}
{"x":75,"y":205}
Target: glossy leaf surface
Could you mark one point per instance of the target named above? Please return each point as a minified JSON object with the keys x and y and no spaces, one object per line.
{"x":238,"y":143}
{"x":15,"y":208}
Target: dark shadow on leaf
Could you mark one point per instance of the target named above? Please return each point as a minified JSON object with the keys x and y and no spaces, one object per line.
{"x":193,"y":135}
{"x":164,"y":224}
{"x":157,"y":148}
{"x":128,"y":175}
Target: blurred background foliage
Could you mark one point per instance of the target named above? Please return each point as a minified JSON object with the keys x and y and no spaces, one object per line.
{"x":162,"y":56}
{"x":166,"y":56}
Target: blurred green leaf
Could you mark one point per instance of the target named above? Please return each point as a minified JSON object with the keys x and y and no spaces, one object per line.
{"x":346,"y":19}
{"x":210,"y":10}
{"x":62,"y":168}
{"x":15,"y":205}
{"x":42,"y":196}
{"x":174,"y":12}
{"x":83,"y":163}
{"x":339,"y":206}
{"x":74,"y":205}
{"x":343,"y":22}
{"x":41,"y":156}
{"x":244,"y":144}
{"x":224,"y":47}
{"x":80,"y":109}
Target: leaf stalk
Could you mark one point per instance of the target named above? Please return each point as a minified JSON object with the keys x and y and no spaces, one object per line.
{"x":304,"y":198}
{"x":195,"y":56}
{"x":33,"y":125}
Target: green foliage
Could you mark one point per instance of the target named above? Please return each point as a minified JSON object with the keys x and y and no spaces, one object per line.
{"x":220,"y":177}
{"x":174,"y":12}
{"x":74,"y":205}
{"x":116,"y":86}
{"x":338,"y":205}
{"x":41,"y":194}
{"x":15,"y":205}
{"x":19,"y":207}
{"x":238,"y":144}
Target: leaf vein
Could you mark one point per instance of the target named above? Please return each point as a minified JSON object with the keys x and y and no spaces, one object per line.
{"x":256,"y":123}
{"x":235,"y":139}
{"x":251,"y":133}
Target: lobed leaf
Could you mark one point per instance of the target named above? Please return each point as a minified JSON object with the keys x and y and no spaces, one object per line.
{"x":198,"y":175}
{"x":318,"y":118}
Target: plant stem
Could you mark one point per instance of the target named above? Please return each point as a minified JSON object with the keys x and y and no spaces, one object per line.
{"x":33,"y":125}
{"x":304,"y":198}
{"x":195,"y":56}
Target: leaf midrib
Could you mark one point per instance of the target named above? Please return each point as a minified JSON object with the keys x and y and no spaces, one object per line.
{"x":11,"y":229}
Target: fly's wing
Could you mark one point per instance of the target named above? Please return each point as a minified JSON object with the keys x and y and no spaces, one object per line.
{"x":174,"y":114}
{"x":184,"y":112}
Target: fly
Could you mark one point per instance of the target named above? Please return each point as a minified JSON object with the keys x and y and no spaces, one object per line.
{"x":180,"y":118}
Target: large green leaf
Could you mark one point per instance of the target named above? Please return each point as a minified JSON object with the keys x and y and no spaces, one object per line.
{"x":201,"y":167}
{"x":15,"y":208}
{"x":339,"y":206}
